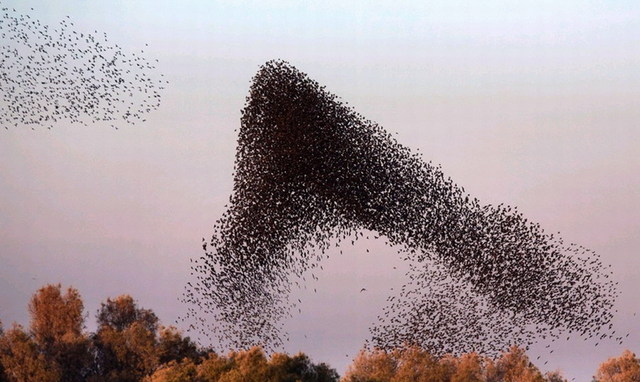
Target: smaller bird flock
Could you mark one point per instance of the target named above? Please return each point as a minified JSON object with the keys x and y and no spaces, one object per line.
{"x":311,"y":173}
{"x":50,"y":75}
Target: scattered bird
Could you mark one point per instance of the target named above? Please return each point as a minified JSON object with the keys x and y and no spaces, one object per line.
{"x":56,"y":74}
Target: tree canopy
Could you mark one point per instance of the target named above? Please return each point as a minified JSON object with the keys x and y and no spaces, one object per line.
{"x":625,"y":368}
{"x":130,"y":344}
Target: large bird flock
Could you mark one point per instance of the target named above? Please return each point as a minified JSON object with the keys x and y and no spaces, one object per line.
{"x":51,"y":75}
{"x":311,"y":172}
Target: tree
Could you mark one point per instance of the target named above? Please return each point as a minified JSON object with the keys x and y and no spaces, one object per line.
{"x":129,"y":345}
{"x":287,"y":369}
{"x":121,"y":312}
{"x":299,"y":368}
{"x":3,"y":375}
{"x":22,"y":361}
{"x":126,"y":341}
{"x":625,"y":368}
{"x":326,"y":373}
{"x":247,"y":366}
{"x":172,"y":346}
{"x":448,"y":365}
{"x":469,"y":369}
{"x":513,"y":366}
{"x":173,"y":371}
{"x":374,"y":366}
{"x":57,"y":323}
{"x":416,"y":364}
{"x":554,"y":376}
{"x":213,"y":367}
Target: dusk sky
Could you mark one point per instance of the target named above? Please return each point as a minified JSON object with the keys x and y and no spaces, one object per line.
{"x":535,"y":104}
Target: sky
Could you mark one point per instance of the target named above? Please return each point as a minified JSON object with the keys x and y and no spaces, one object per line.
{"x":530,"y":103}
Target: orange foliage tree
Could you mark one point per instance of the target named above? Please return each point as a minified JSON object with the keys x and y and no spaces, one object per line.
{"x":625,"y":368}
{"x":416,"y":365}
{"x":57,"y":324}
{"x":131,"y":345}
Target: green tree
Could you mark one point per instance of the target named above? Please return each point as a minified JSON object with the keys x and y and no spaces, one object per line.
{"x":57,"y":323}
{"x":625,"y":368}
{"x":126,"y":341}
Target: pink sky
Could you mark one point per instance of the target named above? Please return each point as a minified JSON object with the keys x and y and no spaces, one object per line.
{"x":534,"y":105}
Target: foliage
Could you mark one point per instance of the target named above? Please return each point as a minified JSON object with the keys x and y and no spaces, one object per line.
{"x":131,"y":345}
{"x":375,"y":366}
{"x":121,"y":312}
{"x":514,"y":366}
{"x":22,"y":360}
{"x":246,"y":366}
{"x":172,"y":346}
{"x":416,"y":365}
{"x":126,"y":340}
{"x":625,"y":368}
{"x":57,"y":323}
{"x":175,"y":372}
{"x":3,"y":375}
{"x":213,"y":367}
{"x":470,"y":368}
{"x":554,"y":376}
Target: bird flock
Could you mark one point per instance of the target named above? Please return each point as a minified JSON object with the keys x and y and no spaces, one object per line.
{"x":50,"y":75}
{"x":310,"y":172}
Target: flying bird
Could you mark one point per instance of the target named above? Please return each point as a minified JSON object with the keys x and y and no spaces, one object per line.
{"x":52,"y":74}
